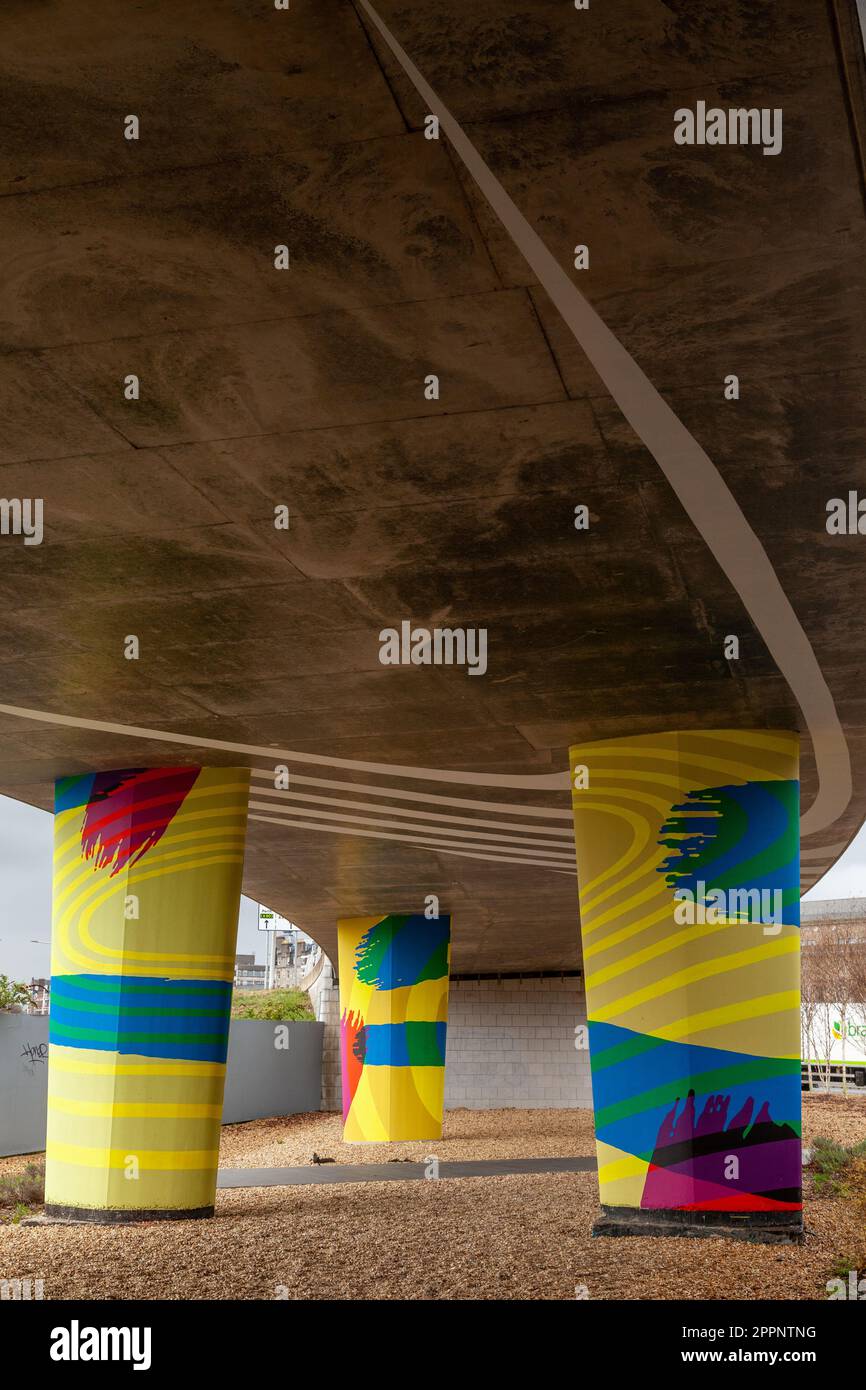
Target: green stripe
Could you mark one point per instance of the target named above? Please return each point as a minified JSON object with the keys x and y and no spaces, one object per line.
{"x":154,"y":1011}
{"x":422,"y":1043}
{"x":623,"y":1051}
{"x":704,"y":1082}
{"x":112,"y":987}
{"x":196,"y":1039}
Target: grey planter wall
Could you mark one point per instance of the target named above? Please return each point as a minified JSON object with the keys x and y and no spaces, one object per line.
{"x":266,"y":1079}
{"x":262,"y":1078}
{"x":23,"y":1082}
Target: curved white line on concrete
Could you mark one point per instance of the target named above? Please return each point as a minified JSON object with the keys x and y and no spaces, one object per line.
{"x":545,"y":782}
{"x":425,"y":797}
{"x":466,"y":854}
{"x":549,"y":849}
{"x":827,"y":852}
{"x":691,"y":473}
{"x":435,"y":848}
{"x":551,"y":835}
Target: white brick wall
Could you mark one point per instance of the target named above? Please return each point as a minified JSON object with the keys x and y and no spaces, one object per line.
{"x":325,"y":1000}
{"x":511,"y":1043}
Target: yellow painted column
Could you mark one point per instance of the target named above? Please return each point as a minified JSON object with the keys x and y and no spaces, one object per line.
{"x":147,"y":878}
{"x":689,"y":881}
{"x":393,"y":1019}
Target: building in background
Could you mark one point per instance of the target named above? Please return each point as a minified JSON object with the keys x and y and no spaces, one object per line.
{"x":249,"y":975}
{"x":289,"y":955}
{"x":40,"y":993}
{"x":290,"y":951}
{"x":833,"y":916}
{"x":294,"y":955}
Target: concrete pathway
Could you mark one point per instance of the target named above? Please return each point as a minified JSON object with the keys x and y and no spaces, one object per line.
{"x":397,"y":1172}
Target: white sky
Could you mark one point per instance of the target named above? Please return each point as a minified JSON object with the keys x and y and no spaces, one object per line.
{"x":847,"y":878}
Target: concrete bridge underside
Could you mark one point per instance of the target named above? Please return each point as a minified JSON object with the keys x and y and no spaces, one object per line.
{"x":305,"y":388}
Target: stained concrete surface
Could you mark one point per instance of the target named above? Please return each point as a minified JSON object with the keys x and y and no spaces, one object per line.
{"x":305,"y":388}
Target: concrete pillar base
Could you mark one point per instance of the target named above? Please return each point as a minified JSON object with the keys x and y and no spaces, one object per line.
{"x":784,"y":1227}
{"x":96,"y":1216}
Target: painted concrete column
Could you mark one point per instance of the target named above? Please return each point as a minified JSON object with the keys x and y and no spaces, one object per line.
{"x":689,"y":880}
{"x":147,"y":878}
{"x":393,"y":1019}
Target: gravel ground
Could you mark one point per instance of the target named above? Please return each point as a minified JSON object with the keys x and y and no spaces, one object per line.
{"x":509,"y":1237}
{"x":292,"y":1140}
{"x":835,"y":1117}
{"x":279,"y":1143}
{"x":16,"y":1162}
{"x":283,"y":1143}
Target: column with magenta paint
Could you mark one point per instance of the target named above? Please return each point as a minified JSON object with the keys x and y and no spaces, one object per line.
{"x":688,"y":858}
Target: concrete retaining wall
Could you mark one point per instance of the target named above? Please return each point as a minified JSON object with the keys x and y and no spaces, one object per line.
{"x":264,"y":1077}
{"x":23,"y":1082}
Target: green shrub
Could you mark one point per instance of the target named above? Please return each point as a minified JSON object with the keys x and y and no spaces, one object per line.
{"x":23,"y":1190}
{"x":829,"y":1156}
{"x":280,"y":1005}
{"x":12,"y":994}
{"x":831,"y":1161}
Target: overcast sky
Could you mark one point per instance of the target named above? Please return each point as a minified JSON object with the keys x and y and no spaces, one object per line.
{"x":25,"y":891}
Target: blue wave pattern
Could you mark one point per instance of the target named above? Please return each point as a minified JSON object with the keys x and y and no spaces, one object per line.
{"x":147,"y":1017}
{"x":737,"y":837}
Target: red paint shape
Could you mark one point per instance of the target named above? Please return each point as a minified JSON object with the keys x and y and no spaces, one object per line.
{"x":351,"y":1056}
{"x":128,"y":798}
